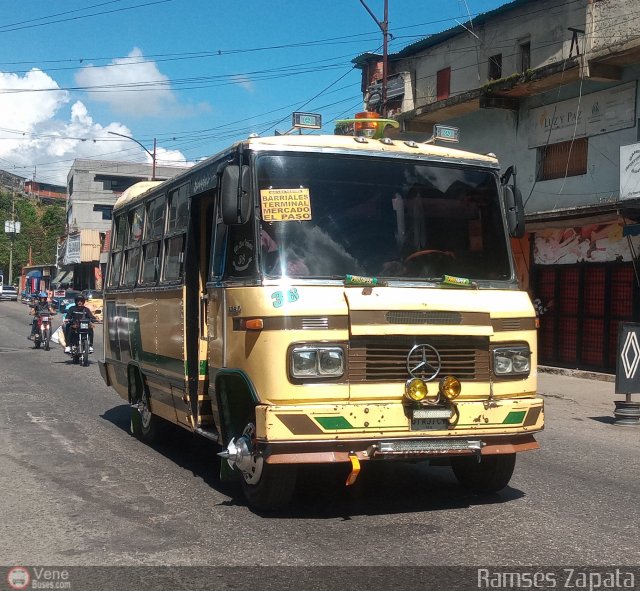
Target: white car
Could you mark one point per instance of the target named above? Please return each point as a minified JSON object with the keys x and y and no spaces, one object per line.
{"x":9,"y":293}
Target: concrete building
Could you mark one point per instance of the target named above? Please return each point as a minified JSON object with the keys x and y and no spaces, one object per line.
{"x":93,"y":187}
{"x":550,"y":86}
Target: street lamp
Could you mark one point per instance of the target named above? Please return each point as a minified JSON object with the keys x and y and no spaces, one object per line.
{"x":153,"y":155}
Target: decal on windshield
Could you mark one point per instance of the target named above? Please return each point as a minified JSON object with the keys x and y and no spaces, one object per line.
{"x":282,"y":205}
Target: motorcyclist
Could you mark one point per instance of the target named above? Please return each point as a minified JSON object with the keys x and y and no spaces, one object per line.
{"x":40,"y":304}
{"x":74,"y":314}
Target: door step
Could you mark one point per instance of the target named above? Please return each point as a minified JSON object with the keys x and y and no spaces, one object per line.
{"x":211,"y":434}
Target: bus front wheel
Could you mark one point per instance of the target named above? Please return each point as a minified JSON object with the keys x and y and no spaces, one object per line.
{"x":487,"y":476}
{"x":266,"y":487}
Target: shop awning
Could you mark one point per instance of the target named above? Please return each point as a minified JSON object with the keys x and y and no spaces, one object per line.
{"x":63,"y":277}
{"x":34,"y":274}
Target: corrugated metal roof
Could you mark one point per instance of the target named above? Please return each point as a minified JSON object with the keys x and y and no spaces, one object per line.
{"x":442,"y":36}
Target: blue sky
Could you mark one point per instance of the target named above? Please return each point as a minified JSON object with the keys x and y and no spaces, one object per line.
{"x":194,"y":74}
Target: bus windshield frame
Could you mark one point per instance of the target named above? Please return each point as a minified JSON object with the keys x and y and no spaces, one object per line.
{"x":321,"y":216}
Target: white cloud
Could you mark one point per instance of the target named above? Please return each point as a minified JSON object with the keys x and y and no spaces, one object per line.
{"x":244,"y":81}
{"x":35,"y":131}
{"x":153,"y":98}
{"x":23,"y":101}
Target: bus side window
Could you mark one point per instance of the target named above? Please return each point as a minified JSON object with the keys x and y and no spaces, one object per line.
{"x":218,"y":246}
{"x":132,"y":254}
{"x":153,"y":229}
{"x":117,"y":244}
{"x":174,"y":242}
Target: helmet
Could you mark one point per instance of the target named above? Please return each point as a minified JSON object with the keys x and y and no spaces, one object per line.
{"x":43,"y":294}
{"x":80,"y":298}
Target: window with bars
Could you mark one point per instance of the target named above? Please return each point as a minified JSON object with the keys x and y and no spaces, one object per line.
{"x":443,"y":84}
{"x":563,"y":159}
{"x":525,"y":56}
{"x":495,"y":67}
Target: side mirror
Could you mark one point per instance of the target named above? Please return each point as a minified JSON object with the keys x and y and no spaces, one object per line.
{"x":515,"y":211}
{"x":235,"y":196}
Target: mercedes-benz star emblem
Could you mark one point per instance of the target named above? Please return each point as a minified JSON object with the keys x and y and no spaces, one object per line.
{"x":420,"y":362}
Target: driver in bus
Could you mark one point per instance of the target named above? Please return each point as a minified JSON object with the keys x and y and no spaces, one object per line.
{"x":272,"y":256}
{"x":74,"y":314}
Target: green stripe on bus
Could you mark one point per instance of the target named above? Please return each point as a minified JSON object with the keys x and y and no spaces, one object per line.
{"x":332,"y":423}
{"x":515,"y":417}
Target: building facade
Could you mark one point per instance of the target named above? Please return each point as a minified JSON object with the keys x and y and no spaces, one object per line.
{"x":550,"y":87}
{"x":93,"y":187}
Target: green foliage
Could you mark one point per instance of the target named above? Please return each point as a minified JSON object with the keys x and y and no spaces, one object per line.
{"x":41,"y":226}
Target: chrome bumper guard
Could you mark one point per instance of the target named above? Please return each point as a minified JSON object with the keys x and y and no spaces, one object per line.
{"x":417,"y":447}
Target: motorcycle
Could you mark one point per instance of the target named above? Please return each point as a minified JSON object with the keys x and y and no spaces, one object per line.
{"x":42,"y":336}
{"x":80,"y":350}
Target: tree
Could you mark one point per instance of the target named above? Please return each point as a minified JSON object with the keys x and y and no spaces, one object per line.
{"x":41,"y":225}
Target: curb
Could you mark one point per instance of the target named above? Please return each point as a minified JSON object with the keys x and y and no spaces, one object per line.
{"x":577,"y":373}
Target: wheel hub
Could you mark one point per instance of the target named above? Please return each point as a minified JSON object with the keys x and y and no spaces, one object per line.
{"x":240,"y":454}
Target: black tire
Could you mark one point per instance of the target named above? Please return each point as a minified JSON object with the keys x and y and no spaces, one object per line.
{"x":488,"y":476}
{"x":76,"y":357}
{"x":145,"y":426}
{"x":274,"y":490}
{"x":36,"y":341}
{"x":47,"y":338}
{"x":84,"y":353}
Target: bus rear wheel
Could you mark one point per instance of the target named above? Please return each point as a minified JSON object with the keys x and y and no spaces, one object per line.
{"x":487,"y":476}
{"x":145,"y":426}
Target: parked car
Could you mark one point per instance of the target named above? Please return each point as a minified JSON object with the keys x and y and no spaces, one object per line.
{"x":9,"y":293}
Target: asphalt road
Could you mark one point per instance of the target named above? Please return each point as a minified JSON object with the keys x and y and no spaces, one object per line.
{"x":77,"y":489}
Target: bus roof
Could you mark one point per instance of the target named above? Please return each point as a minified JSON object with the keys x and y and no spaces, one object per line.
{"x":329,"y":143}
{"x":134,"y":191}
{"x":382,"y":145}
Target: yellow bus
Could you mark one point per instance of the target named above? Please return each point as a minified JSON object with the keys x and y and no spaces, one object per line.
{"x":313,"y":299}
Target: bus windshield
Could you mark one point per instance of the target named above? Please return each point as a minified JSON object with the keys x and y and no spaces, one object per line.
{"x":326,"y":216}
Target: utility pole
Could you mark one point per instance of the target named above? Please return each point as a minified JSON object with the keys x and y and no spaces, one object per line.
{"x":384,"y":27}
{"x":12,"y":228}
{"x":152,"y":154}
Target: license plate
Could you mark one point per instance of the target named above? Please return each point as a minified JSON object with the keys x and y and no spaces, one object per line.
{"x":44,"y":318}
{"x":84,"y":326}
{"x":429,"y":424}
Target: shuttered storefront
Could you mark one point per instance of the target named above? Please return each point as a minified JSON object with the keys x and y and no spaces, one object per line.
{"x":586,"y":302}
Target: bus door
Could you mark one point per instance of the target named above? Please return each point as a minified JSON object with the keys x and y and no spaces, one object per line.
{"x":196,"y":300}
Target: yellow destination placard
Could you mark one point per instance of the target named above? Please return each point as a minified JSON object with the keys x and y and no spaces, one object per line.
{"x":282,"y":205}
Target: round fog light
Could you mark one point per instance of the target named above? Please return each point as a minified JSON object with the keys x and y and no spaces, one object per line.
{"x":416,"y":390}
{"x":450,"y":387}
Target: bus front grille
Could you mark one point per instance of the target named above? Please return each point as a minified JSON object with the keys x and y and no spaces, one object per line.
{"x":375,"y":360}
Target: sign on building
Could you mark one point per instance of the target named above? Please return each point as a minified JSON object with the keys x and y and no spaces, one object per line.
{"x":630,"y":171}
{"x":72,"y":251}
{"x":592,"y":114}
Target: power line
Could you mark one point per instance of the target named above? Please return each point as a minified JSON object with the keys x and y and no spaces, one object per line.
{"x":6,"y":29}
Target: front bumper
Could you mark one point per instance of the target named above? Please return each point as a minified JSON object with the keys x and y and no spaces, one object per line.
{"x":331,"y":432}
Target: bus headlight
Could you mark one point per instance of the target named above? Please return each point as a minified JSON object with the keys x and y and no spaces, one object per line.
{"x":450,"y":387}
{"x":317,"y":362}
{"x":511,"y":361}
{"x":416,"y":390}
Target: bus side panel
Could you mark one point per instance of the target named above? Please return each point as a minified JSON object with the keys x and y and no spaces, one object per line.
{"x":170,"y":347}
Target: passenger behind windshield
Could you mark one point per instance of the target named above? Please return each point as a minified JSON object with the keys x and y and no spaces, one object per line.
{"x":328,"y":216}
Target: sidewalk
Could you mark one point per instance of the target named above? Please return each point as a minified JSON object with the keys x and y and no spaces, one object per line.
{"x":593,"y":392}
{"x":577,"y":373}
